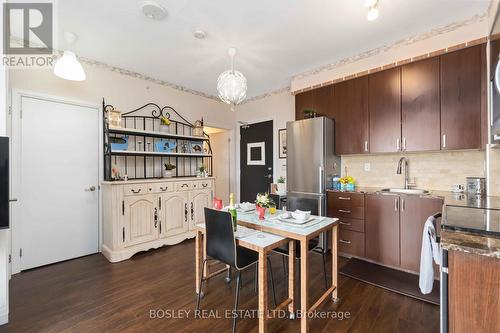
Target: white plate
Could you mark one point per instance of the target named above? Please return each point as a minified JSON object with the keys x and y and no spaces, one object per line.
{"x":291,"y":220}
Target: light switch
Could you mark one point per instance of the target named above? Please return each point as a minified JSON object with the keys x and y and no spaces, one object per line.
{"x":368,"y":166}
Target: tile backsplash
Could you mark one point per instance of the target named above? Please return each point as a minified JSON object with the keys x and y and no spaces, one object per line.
{"x":429,"y":170}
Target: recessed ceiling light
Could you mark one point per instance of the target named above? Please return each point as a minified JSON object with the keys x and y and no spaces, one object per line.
{"x":153,"y":10}
{"x":372,"y":14}
{"x":199,"y":34}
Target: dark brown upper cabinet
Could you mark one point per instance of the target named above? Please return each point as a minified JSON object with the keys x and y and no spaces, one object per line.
{"x":319,"y":100}
{"x":385,"y":111}
{"x":461,"y":98}
{"x":420,"y":114}
{"x":351,"y":116}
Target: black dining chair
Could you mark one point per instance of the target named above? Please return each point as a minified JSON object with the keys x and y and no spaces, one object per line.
{"x":304,"y":204}
{"x":221,"y":246}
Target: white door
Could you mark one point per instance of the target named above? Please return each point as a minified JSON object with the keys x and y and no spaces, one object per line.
{"x":58,"y":190}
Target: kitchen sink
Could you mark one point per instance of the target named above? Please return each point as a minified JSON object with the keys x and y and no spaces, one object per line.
{"x":405,"y":191}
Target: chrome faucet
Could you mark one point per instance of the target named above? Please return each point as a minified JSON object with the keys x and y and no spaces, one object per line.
{"x":407,"y":172}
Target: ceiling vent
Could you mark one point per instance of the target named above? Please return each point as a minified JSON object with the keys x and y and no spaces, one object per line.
{"x":153,"y":10}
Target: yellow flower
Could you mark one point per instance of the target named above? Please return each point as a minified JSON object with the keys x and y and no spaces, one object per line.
{"x":165,"y":121}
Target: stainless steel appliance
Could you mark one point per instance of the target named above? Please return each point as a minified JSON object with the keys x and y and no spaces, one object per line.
{"x":311,"y":159}
{"x":4,"y":183}
{"x":476,"y":186}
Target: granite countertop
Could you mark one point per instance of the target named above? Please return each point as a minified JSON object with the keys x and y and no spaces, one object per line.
{"x":449,"y":198}
{"x":470,"y":243}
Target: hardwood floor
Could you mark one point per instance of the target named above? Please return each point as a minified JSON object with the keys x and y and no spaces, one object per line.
{"x":91,"y":295}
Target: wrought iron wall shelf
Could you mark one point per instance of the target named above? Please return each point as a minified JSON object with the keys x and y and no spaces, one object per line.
{"x":141,"y":160}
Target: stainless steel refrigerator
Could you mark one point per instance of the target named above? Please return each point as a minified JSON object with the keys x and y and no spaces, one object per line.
{"x":311,"y":161}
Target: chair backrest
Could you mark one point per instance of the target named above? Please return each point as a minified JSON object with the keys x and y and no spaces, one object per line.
{"x":307,"y":204}
{"x":220,"y":241}
{"x":276,"y":199}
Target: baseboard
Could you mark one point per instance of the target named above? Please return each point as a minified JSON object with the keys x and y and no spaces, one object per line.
{"x":4,"y":318}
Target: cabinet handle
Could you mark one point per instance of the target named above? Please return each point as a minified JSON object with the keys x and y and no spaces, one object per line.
{"x":404,"y":144}
{"x":135,"y":192}
{"x":204,"y":185}
{"x":344,"y":198}
{"x":345,"y":241}
{"x":444,"y":140}
{"x":192,"y":212}
{"x":184,"y":185}
{"x":156,"y":217}
{"x":123,"y":234}
{"x":159,"y":203}
{"x":403,"y":205}
{"x":344,"y":223}
{"x":366,"y":146}
{"x":185,"y":212}
{"x":163,"y":189}
{"x":398,"y":146}
{"x":344,"y":211}
{"x":396,"y":204}
{"x":123,"y":207}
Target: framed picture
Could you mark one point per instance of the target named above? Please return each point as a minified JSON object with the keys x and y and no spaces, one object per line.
{"x":282,"y":143}
{"x":196,"y":147}
{"x":256,"y":153}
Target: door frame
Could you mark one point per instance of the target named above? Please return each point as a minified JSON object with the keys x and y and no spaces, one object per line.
{"x":14,"y":133}
{"x":238,"y":149}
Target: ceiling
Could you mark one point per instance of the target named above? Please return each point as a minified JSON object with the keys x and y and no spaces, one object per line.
{"x":276,"y":39}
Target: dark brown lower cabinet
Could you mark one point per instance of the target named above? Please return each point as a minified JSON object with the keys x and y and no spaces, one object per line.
{"x":473,"y":293}
{"x":382,"y":228}
{"x":413,"y":214}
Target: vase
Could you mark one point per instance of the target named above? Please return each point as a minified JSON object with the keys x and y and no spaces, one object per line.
{"x":262,"y":212}
{"x":281,"y":188}
{"x":167,"y":173}
{"x":350,"y":187}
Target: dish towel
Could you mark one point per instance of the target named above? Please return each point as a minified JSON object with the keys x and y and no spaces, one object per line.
{"x":430,"y":252}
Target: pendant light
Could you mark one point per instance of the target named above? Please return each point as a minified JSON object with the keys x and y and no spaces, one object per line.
{"x":232,"y":84}
{"x":68,"y":67}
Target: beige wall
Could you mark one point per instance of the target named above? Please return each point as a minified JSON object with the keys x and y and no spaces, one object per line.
{"x":432,"y":171}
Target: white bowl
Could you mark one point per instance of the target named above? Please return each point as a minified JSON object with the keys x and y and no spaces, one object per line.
{"x":301,"y":215}
{"x":247,"y":206}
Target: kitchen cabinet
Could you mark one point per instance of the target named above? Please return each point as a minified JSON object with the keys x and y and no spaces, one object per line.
{"x":198,"y":201}
{"x":382,"y":229}
{"x":140,"y":224}
{"x":319,"y":100}
{"x":147,"y":214}
{"x":413,"y":214}
{"x":174,"y":214}
{"x":351,"y":116}
{"x":384,"y":100}
{"x":461,"y":98}
{"x":473,"y":293}
{"x":420,"y":111}
{"x":350,"y":209}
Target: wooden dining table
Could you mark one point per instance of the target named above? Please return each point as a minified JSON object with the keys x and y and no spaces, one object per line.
{"x":287,"y":233}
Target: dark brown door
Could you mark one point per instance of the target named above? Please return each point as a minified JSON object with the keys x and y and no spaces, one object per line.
{"x":414,"y":213}
{"x":256,"y":159}
{"x":382,"y":228}
{"x":351,"y":121}
{"x":385,"y":111}
{"x":461,"y":99}
{"x":421,"y":128}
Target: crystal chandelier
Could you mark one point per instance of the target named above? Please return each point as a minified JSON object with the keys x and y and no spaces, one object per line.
{"x":231,"y":84}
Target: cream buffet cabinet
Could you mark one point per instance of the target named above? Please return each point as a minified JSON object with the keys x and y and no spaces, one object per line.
{"x":140,"y":215}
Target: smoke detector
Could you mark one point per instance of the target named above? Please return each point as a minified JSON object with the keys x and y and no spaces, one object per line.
{"x":153,"y":10}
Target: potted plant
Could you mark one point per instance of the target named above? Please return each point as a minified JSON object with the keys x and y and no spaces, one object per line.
{"x":347,"y":183}
{"x":281,"y":185}
{"x":261,"y":203}
{"x":167,"y":173}
{"x":165,"y":124}
{"x":202,"y":171}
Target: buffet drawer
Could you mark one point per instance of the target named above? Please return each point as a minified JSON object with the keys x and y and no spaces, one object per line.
{"x":352,"y":224}
{"x":351,"y":242}
{"x":184,"y":186}
{"x":205,"y":184}
{"x":135,"y":189}
{"x":163,"y":187}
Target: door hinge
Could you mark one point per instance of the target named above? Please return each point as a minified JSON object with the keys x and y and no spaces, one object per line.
{"x":10,"y":258}
{"x":10,"y":110}
{"x":123,"y":207}
{"x":21,"y":113}
{"x":123,"y":234}
{"x":20,"y":252}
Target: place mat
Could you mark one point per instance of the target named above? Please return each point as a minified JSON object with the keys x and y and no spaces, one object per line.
{"x":311,"y":223}
{"x":242,"y":232}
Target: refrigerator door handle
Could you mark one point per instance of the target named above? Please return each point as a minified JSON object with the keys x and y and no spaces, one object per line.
{"x":320,"y":179}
